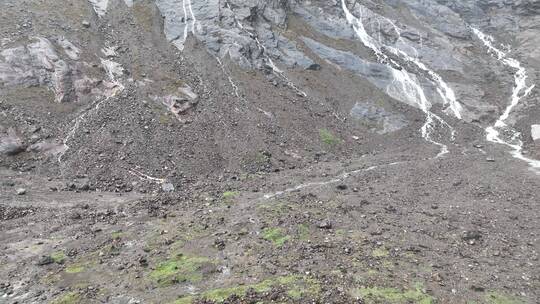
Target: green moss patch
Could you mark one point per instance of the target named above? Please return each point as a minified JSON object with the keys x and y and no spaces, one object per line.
{"x":88,"y":262}
{"x":68,"y":298}
{"x":303,"y":232}
{"x":328,"y":138}
{"x":228,"y":196}
{"x":180,"y":268}
{"x":262,"y":158}
{"x":498,"y":298}
{"x":295,"y":287}
{"x":276,"y":236}
{"x":165,"y":119}
{"x":393,"y":295}
{"x":380,"y":253}
{"x":58,"y":257}
{"x":76,"y":268}
{"x":117,"y":235}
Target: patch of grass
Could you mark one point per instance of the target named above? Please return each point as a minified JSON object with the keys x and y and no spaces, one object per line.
{"x":393,"y":295}
{"x":88,"y":261}
{"x":303,"y":232}
{"x":221,"y":294}
{"x":165,"y":119}
{"x":58,"y":257}
{"x":180,"y":268}
{"x":68,"y":298}
{"x":388,"y":265}
{"x":380,"y":253}
{"x":328,"y":138}
{"x":262,"y":158}
{"x":228,"y":196}
{"x":275,"y":235}
{"x":117,"y":235}
{"x":341,"y":232}
{"x":295,"y":294}
{"x":498,"y":298}
{"x":185,"y":300}
{"x":295,"y":287}
{"x":75,"y":268}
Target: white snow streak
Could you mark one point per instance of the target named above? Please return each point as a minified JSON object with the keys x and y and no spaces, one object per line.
{"x":446,"y":93}
{"x":409,"y":86}
{"x":190,"y":21}
{"x":509,"y":137}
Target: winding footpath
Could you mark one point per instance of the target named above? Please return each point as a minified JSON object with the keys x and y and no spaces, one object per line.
{"x":334,"y":180}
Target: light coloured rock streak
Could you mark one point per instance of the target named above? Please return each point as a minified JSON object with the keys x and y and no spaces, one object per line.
{"x":236,"y":90}
{"x":146,"y":177}
{"x":509,"y":137}
{"x":76,"y":124}
{"x":231,"y":82}
{"x":334,"y":180}
{"x":114,"y":71}
{"x":409,"y":86}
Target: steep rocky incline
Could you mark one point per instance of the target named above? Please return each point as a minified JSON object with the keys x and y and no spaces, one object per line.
{"x":424,"y":55}
{"x":313,"y":151}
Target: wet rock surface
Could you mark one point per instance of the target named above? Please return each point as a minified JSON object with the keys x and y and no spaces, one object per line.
{"x":246,"y":151}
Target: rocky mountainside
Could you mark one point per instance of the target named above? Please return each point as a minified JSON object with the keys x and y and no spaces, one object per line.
{"x":239,"y":151}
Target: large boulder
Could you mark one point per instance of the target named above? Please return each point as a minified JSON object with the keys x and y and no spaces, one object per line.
{"x":10,"y":143}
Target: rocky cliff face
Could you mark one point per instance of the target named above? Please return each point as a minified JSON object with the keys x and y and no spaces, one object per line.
{"x":451,"y":62}
{"x":420,"y":53}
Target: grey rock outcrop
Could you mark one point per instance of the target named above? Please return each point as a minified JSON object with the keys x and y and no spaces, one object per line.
{"x":381,"y":120}
{"x":10,"y":143}
{"x":55,"y":64}
{"x":36,"y":64}
{"x":246,"y":31}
